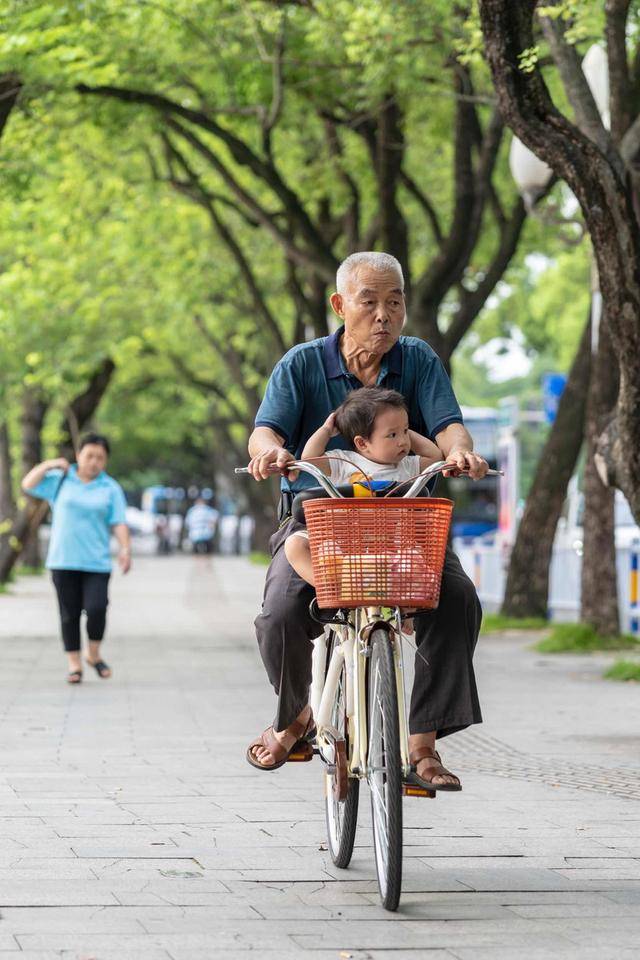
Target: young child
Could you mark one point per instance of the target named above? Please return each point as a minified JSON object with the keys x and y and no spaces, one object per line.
{"x":376,"y":423}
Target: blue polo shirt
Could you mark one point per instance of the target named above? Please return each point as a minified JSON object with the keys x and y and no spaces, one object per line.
{"x":83,"y":514}
{"x":312,"y":380}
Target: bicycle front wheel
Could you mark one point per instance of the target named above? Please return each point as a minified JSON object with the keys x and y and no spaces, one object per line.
{"x":384,"y":773}
{"x":341,"y":814}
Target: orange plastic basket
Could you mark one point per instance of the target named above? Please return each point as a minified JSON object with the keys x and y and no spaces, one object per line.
{"x":369,"y":552}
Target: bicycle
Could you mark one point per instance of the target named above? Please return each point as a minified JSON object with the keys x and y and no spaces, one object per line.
{"x":371,"y":558}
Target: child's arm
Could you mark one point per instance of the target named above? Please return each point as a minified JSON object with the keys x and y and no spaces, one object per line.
{"x":426,"y":449}
{"x":317,"y":443}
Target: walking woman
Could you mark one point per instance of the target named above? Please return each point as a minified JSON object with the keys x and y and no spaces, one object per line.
{"x":87,"y":506}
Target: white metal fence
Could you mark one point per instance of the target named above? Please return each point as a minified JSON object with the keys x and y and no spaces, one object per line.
{"x":486,"y":565}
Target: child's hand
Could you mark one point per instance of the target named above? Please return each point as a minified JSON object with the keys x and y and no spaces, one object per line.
{"x":330,"y":425}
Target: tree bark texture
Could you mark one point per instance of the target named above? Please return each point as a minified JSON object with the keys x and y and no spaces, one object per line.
{"x":10,"y":86}
{"x":27,"y":521}
{"x":7,"y":503}
{"x":596,"y":174}
{"x":527,"y":587}
{"x":599,"y":591}
{"x":34,"y":409}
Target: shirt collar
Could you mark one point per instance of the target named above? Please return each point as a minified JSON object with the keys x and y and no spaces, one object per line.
{"x":334,"y":363}
{"x":73,"y":472}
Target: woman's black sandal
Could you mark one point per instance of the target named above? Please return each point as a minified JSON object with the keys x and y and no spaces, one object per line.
{"x":102,"y":669}
{"x":74,"y":676}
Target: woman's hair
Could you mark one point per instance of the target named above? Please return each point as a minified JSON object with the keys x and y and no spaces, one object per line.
{"x":96,"y":438}
{"x":356,"y":416}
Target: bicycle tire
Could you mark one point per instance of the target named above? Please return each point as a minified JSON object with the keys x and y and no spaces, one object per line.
{"x":341,"y":816}
{"x":384,"y":772}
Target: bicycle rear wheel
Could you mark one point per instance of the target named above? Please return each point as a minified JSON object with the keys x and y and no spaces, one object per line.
{"x":341,"y":815}
{"x":384,"y":773}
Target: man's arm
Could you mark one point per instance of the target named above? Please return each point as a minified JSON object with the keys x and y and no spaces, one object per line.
{"x":266,"y":449}
{"x":457,"y":447}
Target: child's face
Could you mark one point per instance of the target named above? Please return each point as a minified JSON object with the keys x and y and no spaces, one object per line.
{"x":389,"y":441}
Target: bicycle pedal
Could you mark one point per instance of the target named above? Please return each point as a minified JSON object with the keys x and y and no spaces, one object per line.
{"x":412,"y":790}
{"x":301,"y":757}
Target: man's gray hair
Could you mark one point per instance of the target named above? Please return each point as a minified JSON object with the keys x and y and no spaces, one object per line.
{"x":369,"y":258}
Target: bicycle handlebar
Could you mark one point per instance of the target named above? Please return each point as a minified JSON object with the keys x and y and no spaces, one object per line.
{"x":413,"y":491}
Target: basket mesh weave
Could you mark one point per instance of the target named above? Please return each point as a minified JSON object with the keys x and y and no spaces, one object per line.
{"x":368,"y":552}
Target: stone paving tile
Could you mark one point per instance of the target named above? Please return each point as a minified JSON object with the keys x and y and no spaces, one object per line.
{"x":528,"y":952}
{"x":147,"y":953}
{"x":67,"y":918}
{"x":8,"y":943}
{"x":389,"y":933}
{"x":146,"y":801}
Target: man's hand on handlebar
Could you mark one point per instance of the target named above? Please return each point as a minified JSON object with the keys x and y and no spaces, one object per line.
{"x":466,"y":462}
{"x":270,"y":461}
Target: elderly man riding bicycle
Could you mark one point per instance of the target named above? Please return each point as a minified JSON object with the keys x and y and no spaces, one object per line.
{"x":307,"y":384}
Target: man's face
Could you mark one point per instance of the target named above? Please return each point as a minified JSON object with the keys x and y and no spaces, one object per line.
{"x":372,"y":308}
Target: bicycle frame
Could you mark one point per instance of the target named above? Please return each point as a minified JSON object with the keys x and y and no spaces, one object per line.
{"x":352,"y":650}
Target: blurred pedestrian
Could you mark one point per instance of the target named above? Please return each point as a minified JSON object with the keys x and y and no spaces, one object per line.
{"x":201,"y":521}
{"x":87,"y":506}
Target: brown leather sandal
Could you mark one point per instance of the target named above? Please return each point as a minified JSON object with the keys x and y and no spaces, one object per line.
{"x":300,"y":752}
{"x":437,"y":770}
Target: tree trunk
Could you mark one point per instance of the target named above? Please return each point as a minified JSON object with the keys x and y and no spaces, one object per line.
{"x":599,"y":594}
{"x":7,"y":503}
{"x":594,"y":169}
{"x":34,"y":409}
{"x":527,"y":589}
{"x":26,"y":523}
{"x":263,"y":498}
{"x":10,"y":86}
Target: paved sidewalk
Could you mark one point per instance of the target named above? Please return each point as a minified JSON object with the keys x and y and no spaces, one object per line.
{"x":131,"y":826}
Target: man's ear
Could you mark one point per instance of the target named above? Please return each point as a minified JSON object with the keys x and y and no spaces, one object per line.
{"x":360,"y":443}
{"x":337,"y":304}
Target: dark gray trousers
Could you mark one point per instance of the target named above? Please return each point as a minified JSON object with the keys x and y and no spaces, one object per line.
{"x":444,"y":696}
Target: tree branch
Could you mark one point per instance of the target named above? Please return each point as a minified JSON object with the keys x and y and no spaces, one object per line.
{"x":426,"y":205}
{"x":472,"y":301}
{"x":10,"y":87}
{"x":243,"y":155}
{"x":472,"y":189}
{"x":616,"y":14}
{"x":277,"y":98}
{"x":203,"y":383}
{"x":233,"y":364}
{"x":267,"y":220}
{"x":226,"y":235}
{"x":586,"y":112}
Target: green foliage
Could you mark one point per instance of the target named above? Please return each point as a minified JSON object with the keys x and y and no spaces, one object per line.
{"x":624,"y":671}
{"x":104,"y":253}
{"x":496,"y":622}
{"x":260,"y":558}
{"x":26,"y":571}
{"x":582,"y":638}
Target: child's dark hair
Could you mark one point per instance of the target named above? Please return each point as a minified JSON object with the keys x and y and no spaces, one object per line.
{"x":356,"y":416}
{"x":96,"y":438}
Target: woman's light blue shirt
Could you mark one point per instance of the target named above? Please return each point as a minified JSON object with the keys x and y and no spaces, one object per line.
{"x":83,"y":514}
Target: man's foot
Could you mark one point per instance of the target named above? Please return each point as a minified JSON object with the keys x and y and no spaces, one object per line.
{"x":426,"y":760}
{"x":268,"y":751}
